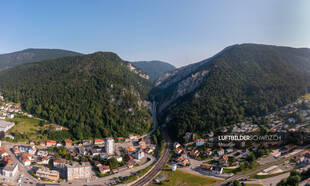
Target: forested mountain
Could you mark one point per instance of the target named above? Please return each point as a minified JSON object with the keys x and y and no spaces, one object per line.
{"x":94,"y":95}
{"x":154,"y":69}
{"x":240,"y":81}
{"x":32,"y":55}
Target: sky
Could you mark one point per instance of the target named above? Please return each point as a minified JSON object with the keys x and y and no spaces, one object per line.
{"x":180,"y":32}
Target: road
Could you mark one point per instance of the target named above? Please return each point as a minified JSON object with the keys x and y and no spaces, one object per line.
{"x":27,"y":179}
{"x":269,"y":181}
{"x":239,"y":176}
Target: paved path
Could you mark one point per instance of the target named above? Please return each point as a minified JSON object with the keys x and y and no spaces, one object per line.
{"x":270,"y":181}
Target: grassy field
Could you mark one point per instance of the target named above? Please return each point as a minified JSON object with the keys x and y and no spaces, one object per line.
{"x":24,"y":125}
{"x":182,"y":178}
{"x":230,"y":170}
{"x":28,"y":128}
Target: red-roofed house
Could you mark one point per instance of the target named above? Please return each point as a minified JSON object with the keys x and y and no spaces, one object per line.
{"x":3,"y":152}
{"x":99,"y":142}
{"x":68,"y":143}
{"x":50,"y":143}
{"x":25,"y":158}
{"x":105,"y":169}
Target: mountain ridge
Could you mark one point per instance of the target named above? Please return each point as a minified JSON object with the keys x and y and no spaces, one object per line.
{"x":241,"y":81}
{"x":94,"y":95}
{"x":30,"y":55}
{"x":154,"y":68}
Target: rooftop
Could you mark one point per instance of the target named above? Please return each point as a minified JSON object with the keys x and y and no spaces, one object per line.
{"x":10,"y":166}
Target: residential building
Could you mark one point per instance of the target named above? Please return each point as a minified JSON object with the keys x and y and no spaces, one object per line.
{"x":42,"y":153}
{"x":183,"y":161}
{"x":59,"y":163}
{"x":83,"y":151}
{"x":130,"y":150}
{"x":200,"y":142}
{"x":229,"y":150}
{"x":149,"y":150}
{"x":120,"y":139}
{"x":98,"y":142}
{"x":98,"y":164}
{"x":3,"y":152}
{"x":223,"y":160}
{"x":46,"y":173}
{"x":50,"y":143}
{"x":217,"y":170}
{"x":28,"y":149}
{"x":16,"y":150}
{"x":10,"y":116}
{"x":178,"y":150}
{"x":44,"y":160}
{"x":94,"y":152}
{"x":208,"y":152}
{"x":142,"y":144}
{"x":8,"y":159}
{"x":78,"y":171}
{"x":133,"y":137}
{"x":109,"y":146}
{"x":68,"y":143}
{"x":194,"y":153}
{"x":104,"y":169}
{"x":139,"y":154}
{"x":220,"y":152}
{"x":25,"y":159}
{"x":10,"y":169}
{"x":176,"y":145}
{"x":206,"y":167}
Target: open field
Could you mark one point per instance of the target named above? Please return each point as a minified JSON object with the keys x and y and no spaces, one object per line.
{"x":182,"y":178}
{"x":24,"y":125}
{"x":28,"y":128}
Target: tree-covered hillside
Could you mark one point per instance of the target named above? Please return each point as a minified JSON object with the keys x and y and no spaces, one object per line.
{"x":32,"y":55}
{"x":243,"y":80}
{"x":154,"y":69}
{"x":93,"y":95}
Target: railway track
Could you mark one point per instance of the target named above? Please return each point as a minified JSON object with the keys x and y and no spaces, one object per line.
{"x":156,"y":169}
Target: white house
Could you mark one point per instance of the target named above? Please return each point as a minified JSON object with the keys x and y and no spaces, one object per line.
{"x":221,"y":152}
{"x":10,"y":116}
{"x":139,"y":154}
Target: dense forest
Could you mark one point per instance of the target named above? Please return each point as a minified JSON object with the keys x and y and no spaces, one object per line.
{"x":93,"y":95}
{"x":243,"y":81}
{"x":154,"y":69}
{"x":32,"y":55}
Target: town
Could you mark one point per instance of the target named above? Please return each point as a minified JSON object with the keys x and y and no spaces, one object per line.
{"x":208,"y":156}
{"x":68,"y":161}
{"x":112,"y":160}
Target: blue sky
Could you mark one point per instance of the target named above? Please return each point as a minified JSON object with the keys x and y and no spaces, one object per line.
{"x":178,"y":31}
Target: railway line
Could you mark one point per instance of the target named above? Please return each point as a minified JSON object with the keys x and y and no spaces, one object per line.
{"x":159,"y":165}
{"x":156,"y":169}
